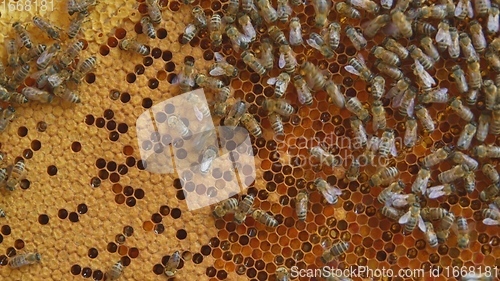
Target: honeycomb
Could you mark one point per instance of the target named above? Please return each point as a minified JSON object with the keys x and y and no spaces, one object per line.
{"x":87,"y":200}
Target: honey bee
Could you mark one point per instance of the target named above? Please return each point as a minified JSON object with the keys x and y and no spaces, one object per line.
{"x":295,"y":36}
{"x":134,"y":46}
{"x":172,"y":264}
{"x":491,"y":173}
{"x":76,"y":24}
{"x":224,"y":207}
{"x":147,"y":27}
{"x":461,"y":158}
{"x":463,"y":233}
{"x":394,"y":188}
{"x":330,"y":193}
{"x":477,"y":35}
{"x":379,"y":116}
{"x":458,"y":171}
{"x":347,"y":10}
{"x":385,"y":55}
{"x":317,"y":42}
{"x":316,"y":79}
{"x":2,"y":213}
{"x":189,"y":33}
{"x":454,"y":48}
{"x":3,"y":77}
{"x":358,"y":67}
{"x":353,"y":171}
{"x":6,"y":116}
{"x":356,"y":107}
{"x":429,"y":48}
{"x":470,"y":181}
{"x":83,"y":68}
{"x":277,"y":35}
{"x":395,"y":47}
{"x":467,"y":47}
{"x":75,"y":6}
{"x":4,"y":94}
{"x":436,"y":157}
{"x":437,"y":213}
{"x":178,"y":125}
{"x":334,"y":94}
{"x":267,"y":11}
{"x":417,"y":54}
{"x":490,"y":94}
{"x":281,"y":84}
{"x":199,"y":17}
{"x":412,"y":218}
{"x":387,"y":143}
{"x":264,"y":218}
{"x":244,"y":208}
{"x":493,"y":59}
{"x":483,"y":151}
{"x":18,"y":77}
{"x":232,"y":10}
{"x":430,"y":235}
{"x":481,"y":7}
{"x":392,"y":71}
{"x":235,"y":113}
{"x":301,"y":205}
{"x":283,"y":10}
{"x":303,"y":91}
{"x":423,"y":28}
{"x":367,"y":5}
{"x":440,"y":190}
{"x":491,"y":215}
{"x":447,"y":220}
{"x":407,"y":102}
{"x":47,"y":27}
{"x":267,"y":56}
{"x":391,"y":212}
{"x":336,"y":250}
{"x":36,"y":94}
{"x":276,"y":124}
{"x":443,"y":36}
{"x":186,"y":78}
{"x":324,"y":156}
{"x":373,"y":26}
{"x":12,"y":52}
{"x":45,"y":55}
{"x":282,"y":274}
{"x":399,"y":88}
{"x":474,"y":74}
{"x":66,"y":94}
{"x":495,"y":120}
{"x":461,"y":110}
{"x":250,"y":60}
{"x":464,"y":9}
{"x":359,"y":131}
{"x":402,"y":23}
{"x":154,"y":11}
{"x":209,"y":82}
{"x":215,"y":29}
{"x":459,"y":76}
{"x":490,"y":192}
{"x":287,"y":60}
{"x":23,"y":35}
{"x":251,"y":125}
{"x":56,"y":79}
{"x":358,"y":41}
{"x":115,"y":271}
{"x":383,"y":176}
{"x":465,"y":138}
{"x":410,"y":136}
{"x":439,"y":95}
{"x":422,"y":180}
{"x":437,"y":11}
{"x":221,"y":67}
{"x":74,"y":49}
{"x":280,"y":106}
{"x":321,"y":11}
{"x":492,"y":24}
{"x":25,"y":259}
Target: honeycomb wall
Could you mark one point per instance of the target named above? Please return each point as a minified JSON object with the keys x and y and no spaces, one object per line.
{"x":87,"y":200}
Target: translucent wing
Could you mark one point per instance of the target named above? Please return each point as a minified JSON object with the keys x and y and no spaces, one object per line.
{"x":330,"y":193}
{"x":444,"y":37}
{"x":421,"y":224}
{"x":411,"y":108}
{"x":405,"y":218}
{"x":489,"y":221}
{"x":394,"y":150}
{"x":435,"y":194}
{"x":281,"y":61}
{"x":398,"y":99}
{"x":295,"y":36}
{"x":46,"y":55}
{"x":249,"y":31}
{"x":217,"y":71}
{"x":459,"y":8}
{"x":313,"y":44}
{"x":284,"y":9}
{"x":302,"y":97}
{"x":198,"y":113}
{"x":349,"y":68}
{"x":218,"y":57}
{"x":272,"y":80}
{"x":492,"y":24}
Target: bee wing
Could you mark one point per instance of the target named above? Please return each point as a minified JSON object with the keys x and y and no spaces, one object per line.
{"x":405,"y":218}
{"x":470,"y":11}
{"x":198,"y":113}
{"x":492,"y":24}
{"x":218,"y":57}
{"x":421,"y":224}
{"x":436,"y":194}
{"x":493,"y":207}
{"x":190,"y":28}
{"x":443,"y":37}
{"x":394,"y":149}
{"x":489,"y":221}
{"x":361,"y":58}
{"x":398,"y":99}
{"x":272,"y":81}
{"x":249,"y":31}
{"x":295,"y":37}
{"x":281,"y":61}
{"x":313,"y":44}
{"x":217,"y":71}
{"x":46,"y":55}
{"x":351,"y":69}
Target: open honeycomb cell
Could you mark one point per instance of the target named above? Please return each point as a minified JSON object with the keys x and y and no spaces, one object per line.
{"x":89,"y":201}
